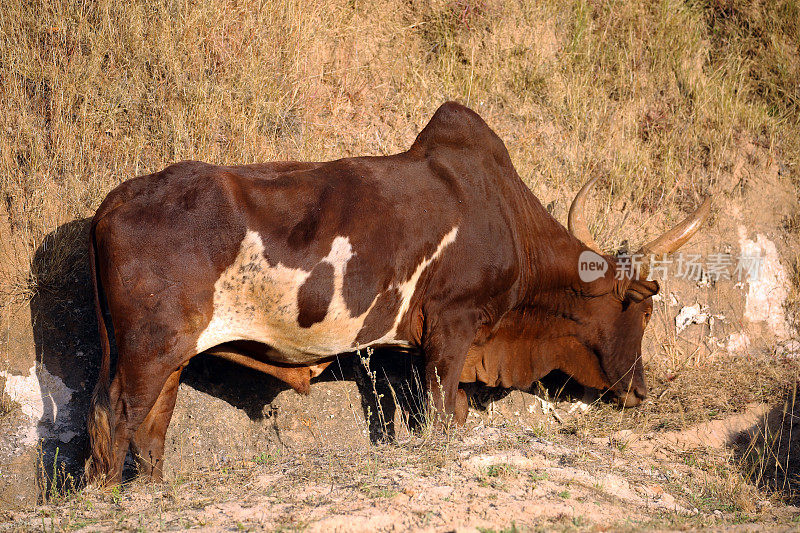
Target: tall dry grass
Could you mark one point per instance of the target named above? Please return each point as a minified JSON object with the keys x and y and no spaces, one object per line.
{"x":650,"y":94}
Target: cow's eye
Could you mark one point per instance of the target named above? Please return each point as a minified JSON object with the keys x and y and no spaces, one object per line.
{"x":646,"y":317}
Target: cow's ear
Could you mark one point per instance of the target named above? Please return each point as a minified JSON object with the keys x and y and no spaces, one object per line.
{"x":601,"y":286}
{"x":640,"y":289}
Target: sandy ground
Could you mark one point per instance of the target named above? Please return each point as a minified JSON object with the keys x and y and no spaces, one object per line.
{"x":486,"y":477}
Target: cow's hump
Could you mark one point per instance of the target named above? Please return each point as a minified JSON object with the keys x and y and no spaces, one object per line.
{"x":454,"y":124}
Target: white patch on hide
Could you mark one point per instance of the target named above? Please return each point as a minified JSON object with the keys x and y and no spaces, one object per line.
{"x":258,"y":302}
{"x":408,"y":287}
{"x":44,"y":399}
{"x":767,"y":293}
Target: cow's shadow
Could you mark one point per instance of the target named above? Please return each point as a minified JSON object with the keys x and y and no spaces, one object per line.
{"x":66,"y":347}
{"x":68,"y":360}
{"x":768,"y":453}
{"x":386,"y":381}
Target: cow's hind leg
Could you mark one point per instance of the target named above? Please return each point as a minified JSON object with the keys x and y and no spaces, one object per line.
{"x":147,"y":443}
{"x":135,"y":391}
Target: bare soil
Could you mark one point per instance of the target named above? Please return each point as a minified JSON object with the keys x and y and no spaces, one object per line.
{"x":516,"y":466}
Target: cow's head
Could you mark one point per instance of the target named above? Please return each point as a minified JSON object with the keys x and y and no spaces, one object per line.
{"x":618,"y":300}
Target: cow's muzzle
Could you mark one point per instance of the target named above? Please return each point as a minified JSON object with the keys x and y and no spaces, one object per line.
{"x":632,"y":397}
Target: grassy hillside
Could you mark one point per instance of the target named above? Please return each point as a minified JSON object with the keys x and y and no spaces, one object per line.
{"x":668,"y":101}
{"x":654,"y":95}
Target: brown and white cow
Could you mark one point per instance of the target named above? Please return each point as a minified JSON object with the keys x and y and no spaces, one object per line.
{"x":282,"y":266}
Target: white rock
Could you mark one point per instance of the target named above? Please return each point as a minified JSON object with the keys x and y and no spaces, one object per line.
{"x":579,"y":406}
{"x":691,"y":314}
{"x":44,"y":400}
{"x":695,"y":314}
{"x":767,"y":292}
{"x":737,"y":342}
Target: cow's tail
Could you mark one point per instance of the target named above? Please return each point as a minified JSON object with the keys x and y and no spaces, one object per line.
{"x":99,"y":421}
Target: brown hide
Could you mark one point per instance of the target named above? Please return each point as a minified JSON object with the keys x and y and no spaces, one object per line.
{"x":523,"y":349}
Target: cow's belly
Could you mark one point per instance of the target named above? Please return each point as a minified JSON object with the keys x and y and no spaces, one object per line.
{"x":256,"y":301}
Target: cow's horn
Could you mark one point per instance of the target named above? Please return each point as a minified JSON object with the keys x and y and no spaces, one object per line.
{"x":576,"y":221}
{"x":677,"y":236}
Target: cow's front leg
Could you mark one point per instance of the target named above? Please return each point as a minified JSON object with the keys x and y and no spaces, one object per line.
{"x":446,"y":345}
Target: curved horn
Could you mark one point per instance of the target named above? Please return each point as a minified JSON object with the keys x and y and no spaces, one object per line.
{"x":576,"y":223}
{"x":677,"y":236}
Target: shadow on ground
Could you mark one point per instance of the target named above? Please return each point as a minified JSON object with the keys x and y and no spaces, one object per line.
{"x":769,"y":452}
{"x":66,"y":345}
{"x":387,"y":377}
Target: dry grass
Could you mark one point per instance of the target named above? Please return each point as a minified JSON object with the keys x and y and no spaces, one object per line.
{"x":654,"y":96}
{"x":299,"y":491}
{"x":650,"y":95}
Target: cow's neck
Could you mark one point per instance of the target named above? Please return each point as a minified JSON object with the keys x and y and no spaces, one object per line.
{"x":550,"y":262}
